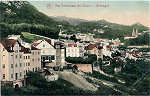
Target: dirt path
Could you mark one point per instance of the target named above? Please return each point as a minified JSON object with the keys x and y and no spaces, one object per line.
{"x":77,"y":80}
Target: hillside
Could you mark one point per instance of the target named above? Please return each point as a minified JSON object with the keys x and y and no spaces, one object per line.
{"x":111,"y":30}
{"x":143,"y":39}
{"x":78,"y":81}
{"x":72,"y":21}
{"x":21,"y":16}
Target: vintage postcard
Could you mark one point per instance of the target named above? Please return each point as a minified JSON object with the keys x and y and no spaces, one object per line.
{"x":74,"y":47}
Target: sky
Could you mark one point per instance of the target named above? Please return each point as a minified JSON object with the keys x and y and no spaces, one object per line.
{"x":115,"y":11}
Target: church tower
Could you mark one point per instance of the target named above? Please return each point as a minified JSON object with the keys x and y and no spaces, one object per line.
{"x":137,"y":32}
{"x":133,"y":32}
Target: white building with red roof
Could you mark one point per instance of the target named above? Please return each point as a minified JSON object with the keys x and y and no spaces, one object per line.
{"x":48,"y":51}
{"x":74,"y":50}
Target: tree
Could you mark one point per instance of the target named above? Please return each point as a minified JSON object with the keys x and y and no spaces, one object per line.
{"x":73,"y":38}
{"x":36,"y":80}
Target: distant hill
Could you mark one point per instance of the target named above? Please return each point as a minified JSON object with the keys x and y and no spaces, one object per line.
{"x":21,"y":16}
{"x":111,"y":30}
{"x":72,"y":21}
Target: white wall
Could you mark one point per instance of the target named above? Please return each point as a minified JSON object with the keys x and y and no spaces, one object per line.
{"x":47,"y":50}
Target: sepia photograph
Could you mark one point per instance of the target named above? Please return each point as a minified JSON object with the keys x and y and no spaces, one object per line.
{"x":74,"y":47}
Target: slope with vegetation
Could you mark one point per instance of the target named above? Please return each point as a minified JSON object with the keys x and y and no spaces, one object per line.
{"x":21,"y":16}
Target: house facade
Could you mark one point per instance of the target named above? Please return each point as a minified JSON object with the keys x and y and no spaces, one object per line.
{"x":11,"y":60}
{"x":94,"y":49}
{"x":48,"y":52}
{"x":72,"y":50}
{"x":15,"y":61}
{"x":35,"y":59}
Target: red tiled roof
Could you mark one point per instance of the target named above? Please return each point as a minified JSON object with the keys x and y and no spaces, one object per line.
{"x":72,"y":45}
{"x":100,"y":47}
{"x":35,"y":43}
{"x":90,"y":46}
{"x":8,"y":43}
{"x":108,"y":46}
{"x":34,"y":48}
{"x":48,"y":40}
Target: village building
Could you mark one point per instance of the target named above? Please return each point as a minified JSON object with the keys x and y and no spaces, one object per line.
{"x":15,"y":61}
{"x":18,"y":38}
{"x":85,"y":37}
{"x":74,"y":50}
{"x":134,"y":35}
{"x":134,"y":55}
{"x":35,"y":59}
{"x":11,"y":60}
{"x":48,"y":52}
{"x":94,"y":49}
{"x":107,"y":50}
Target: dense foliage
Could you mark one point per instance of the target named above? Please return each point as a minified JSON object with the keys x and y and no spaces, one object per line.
{"x":21,"y":16}
{"x":111,"y":30}
{"x":140,"y":40}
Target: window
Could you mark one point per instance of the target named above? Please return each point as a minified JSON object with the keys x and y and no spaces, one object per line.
{"x":12,"y":76}
{"x":16,"y":65}
{"x":20,"y":74}
{"x":28,"y":57}
{"x":33,"y":60}
{"x":33,"y":53}
{"x":20,"y":56}
{"x":33,"y":69}
{"x":3,"y":49}
{"x":28,"y":64}
{"x":47,"y":57}
{"x":12,"y":66}
{"x":16,"y":56}
{"x":38,"y":53}
{"x":68,"y":50}
{"x":16,"y":76}
{"x":38,"y":59}
{"x":43,"y":45}
{"x":3,"y":57}
{"x":3,"y":65}
{"x":53,"y":57}
{"x":20,"y":64}
{"x":3,"y":76}
{"x":43,"y":58}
